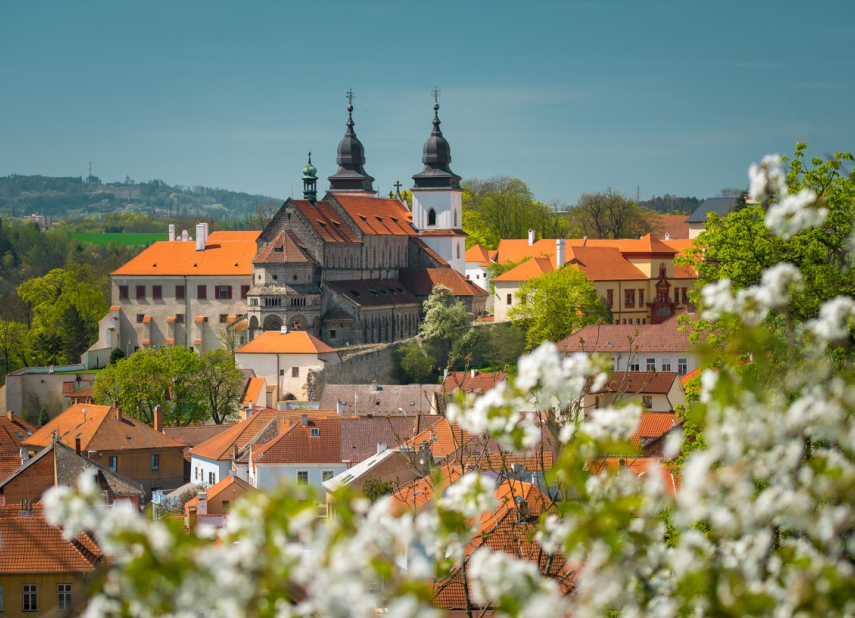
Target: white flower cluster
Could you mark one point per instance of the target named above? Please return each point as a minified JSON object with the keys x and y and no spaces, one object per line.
{"x":834,"y":319}
{"x":767,"y":178}
{"x":470,"y":496}
{"x":612,"y":424}
{"x":753,"y":303}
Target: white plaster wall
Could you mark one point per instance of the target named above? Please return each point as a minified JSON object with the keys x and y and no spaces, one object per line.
{"x":622,"y":360}
{"x":449,"y":248}
{"x":266,"y":366}
{"x":202,"y":466}
{"x":445,"y":203}
{"x":268,"y":476}
{"x":477,"y":275}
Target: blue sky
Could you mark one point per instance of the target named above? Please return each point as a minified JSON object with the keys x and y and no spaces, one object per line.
{"x":571,"y":97}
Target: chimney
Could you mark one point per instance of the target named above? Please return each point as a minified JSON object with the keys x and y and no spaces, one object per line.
{"x":560,"y":252}
{"x":25,"y":455}
{"x":158,"y":419}
{"x":171,"y":232}
{"x":584,"y":240}
{"x":304,"y":420}
{"x":184,"y":236}
{"x":338,"y":409}
{"x":203,"y":502}
{"x":374,"y":386}
{"x":283,"y":330}
{"x":473,"y":373}
{"x":667,"y":236}
{"x":530,"y":238}
{"x":206,"y":232}
{"x":77,"y":444}
{"x":381,"y":446}
{"x":200,"y":237}
{"x":249,"y":410}
{"x":11,"y":416}
{"x":118,"y":410}
{"x":191,"y":517}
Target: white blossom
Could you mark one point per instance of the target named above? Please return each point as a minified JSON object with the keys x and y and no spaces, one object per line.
{"x":792,"y":214}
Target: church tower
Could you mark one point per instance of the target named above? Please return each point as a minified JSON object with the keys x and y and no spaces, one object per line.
{"x":310,"y":182}
{"x":438,"y":199}
{"x":351,"y":176}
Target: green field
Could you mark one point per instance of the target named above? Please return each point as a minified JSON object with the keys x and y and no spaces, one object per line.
{"x":129,"y":239}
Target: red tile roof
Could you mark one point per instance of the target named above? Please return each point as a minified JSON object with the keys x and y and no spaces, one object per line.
{"x":477,"y":253}
{"x":442,"y":233}
{"x":422,"y":281}
{"x":253,"y":390}
{"x":328,"y":223}
{"x":13,"y":431}
{"x":604,"y":264}
{"x":646,"y":382}
{"x":640,"y":466}
{"x":286,"y":247}
{"x":191,"y":435}
{"x":100,"y":430}
{"x":32,"y":545}
{"x":298,"y":445}
{"x":664,"y":337}
{"x":645,"y":245}
{"x":653,"y":425}
{"x":377,"y":215}
{"x":676,"y":226}
{"x":529,"y":269}
{"x":214,"y":490}
{"x":292,"y":342}
{"x":181,"y":258}
{"x":481,"y":383}
{"x":374,"y":292}
{"x":8,"y":464}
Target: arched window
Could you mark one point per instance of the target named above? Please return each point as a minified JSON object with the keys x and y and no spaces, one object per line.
{"x":455,"y":220}
{"x":458,"y":250}
{"x":431,"y":217}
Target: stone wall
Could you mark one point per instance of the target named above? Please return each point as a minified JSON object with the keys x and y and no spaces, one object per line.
{"x":360,"y":365}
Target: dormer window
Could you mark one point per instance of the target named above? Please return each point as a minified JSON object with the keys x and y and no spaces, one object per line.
{"x":314,"y":432}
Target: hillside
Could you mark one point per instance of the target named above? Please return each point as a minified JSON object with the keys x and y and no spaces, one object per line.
{"x":73,"y":198}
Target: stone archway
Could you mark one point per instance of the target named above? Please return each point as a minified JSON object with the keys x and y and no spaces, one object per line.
{"x":273,"y":322}
{"x":298,"y":322}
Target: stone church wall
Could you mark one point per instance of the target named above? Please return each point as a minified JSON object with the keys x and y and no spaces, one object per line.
{"x":375,"y":363}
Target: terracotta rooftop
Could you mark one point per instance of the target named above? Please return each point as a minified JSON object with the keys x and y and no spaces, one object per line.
{"x":433,"y":254}
{"x":382,"y":399}
{"x":481,"y":383}
{"x":674,"y":226}
{"x":214,"y":490}
{"x":377,"y":215}
{"x":422,"y":281}
{"x":529,"y":269}
{"x":604,"y":264}
{"x":664,"y":337}
{"x":374,"y":292}
{"x":477,"y":253}
{"x":653,"y":425}
{"x":33,"y":545}
{"x":253,"y":390}
{"x":646,"y":382}
{"x":13,"y":431}
{"x":100,"y":430}
{"x":328,"y":223}
{"x":318,"y":442}
{"x":292,"y":342}
{"x":224,"y":258}
{"x":360,"y":436}
{"x":640,"y":466}
{"x":191,"y":435}
{"x":285,"y":248}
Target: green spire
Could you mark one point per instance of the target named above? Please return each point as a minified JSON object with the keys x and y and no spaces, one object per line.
{"x":310,"y":182}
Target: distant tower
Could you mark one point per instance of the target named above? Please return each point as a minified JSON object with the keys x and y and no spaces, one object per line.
{"x":310,"y":182}
{"x":438,"y":199}
{"x":351,"y":176}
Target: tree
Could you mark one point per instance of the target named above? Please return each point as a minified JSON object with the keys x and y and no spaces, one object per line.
{"x":414,"y":364}
{"x":556,"y":304}
{"x":46,"y":348}
{"x":74,"y":333}
{"x":116,"y":355}
{"x":731,"y":192}
{"x":445,"y":320}
{"x":375,"y":487}
{"x":221,"y":385}
{"x":44,"y":417}
{"x":12,"y":339}
{"x":612,"y":215}
{"x":230,"y":338}
{"x":138,"y":384}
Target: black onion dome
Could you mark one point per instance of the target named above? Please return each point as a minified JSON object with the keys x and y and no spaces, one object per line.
{"x":350,"y":156}
{"x":436,"y":155}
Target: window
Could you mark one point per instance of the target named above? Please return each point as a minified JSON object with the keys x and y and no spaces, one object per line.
{"x":510,"y":299}
{"x":651,"y":364}
{"x":610,"y":297}
{"x":281,"y":372}
{"x":458,"y":251}
{"x":666,"y":364}
{"x":226,"y":505}
{"x":640,"y":298}
{"x":633,"y":366}
{"x":114,"y":463}
{"x":314,"y":432}
{"x":333,"y":333}
{"x":682,"y":366}
{"x":212,"y":478}
{"x":179,"y":292}
{"x":431,"y":217}
{"x":157,"y":292}
{"x":155,"y":462}
{"x":1,"y":598}
{"x":196,"y":473}
{"x":179,"y":318}
{"x":202,"y":292}
{"x":140,"y":292}
{"x":455,"y":220}
{"x":685,"y":295}
{"x":327,"y":475}
{"x":224,"y":292}
{"x":140,"y":318}
{"x":63,"y":596}
{"x":31,"y":598}
{"x":629,"y":298}
{"x":302,"y":477}
{"x":224,"y":317}
{"x":647,"y":402}
{"x":123,"y":292}
{"x":295,"y":372}
{"x":244,"y":290}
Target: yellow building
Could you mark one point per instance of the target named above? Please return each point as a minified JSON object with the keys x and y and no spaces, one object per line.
{"x":636,"y":279}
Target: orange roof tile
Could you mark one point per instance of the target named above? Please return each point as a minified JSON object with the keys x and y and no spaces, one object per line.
{"x":640,"y":466}
{"x":647,"y":382}
{"x":32,"y":545}
{"x":422,"y":281}
{"x":377,"y":215}
{"x":286,"y":247}
{"x":646,"y":244}
{"x":214,"y":490}
{"x":676,"y":226}
{"x":652,"y":426}
{"x":328,"y":223}
{"x":181,"y":258}
{"x":529,"y":269}
{"x":292,"y":342}
{"x":685,"y":379}
{"x":8,"y":464}
{"x":100,"y":430}
{"x":604,"y":264}
{"x":481,"y":383}
{"x":253,"y":390}
{"x":13,"y":431}
{"x":298,"y":445}
{"x":477,"y":253}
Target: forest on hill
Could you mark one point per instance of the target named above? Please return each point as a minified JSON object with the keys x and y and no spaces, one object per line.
{"x":78,"y":197}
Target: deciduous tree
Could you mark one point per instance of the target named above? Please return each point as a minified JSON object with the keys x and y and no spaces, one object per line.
{"x":611,"y":215}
